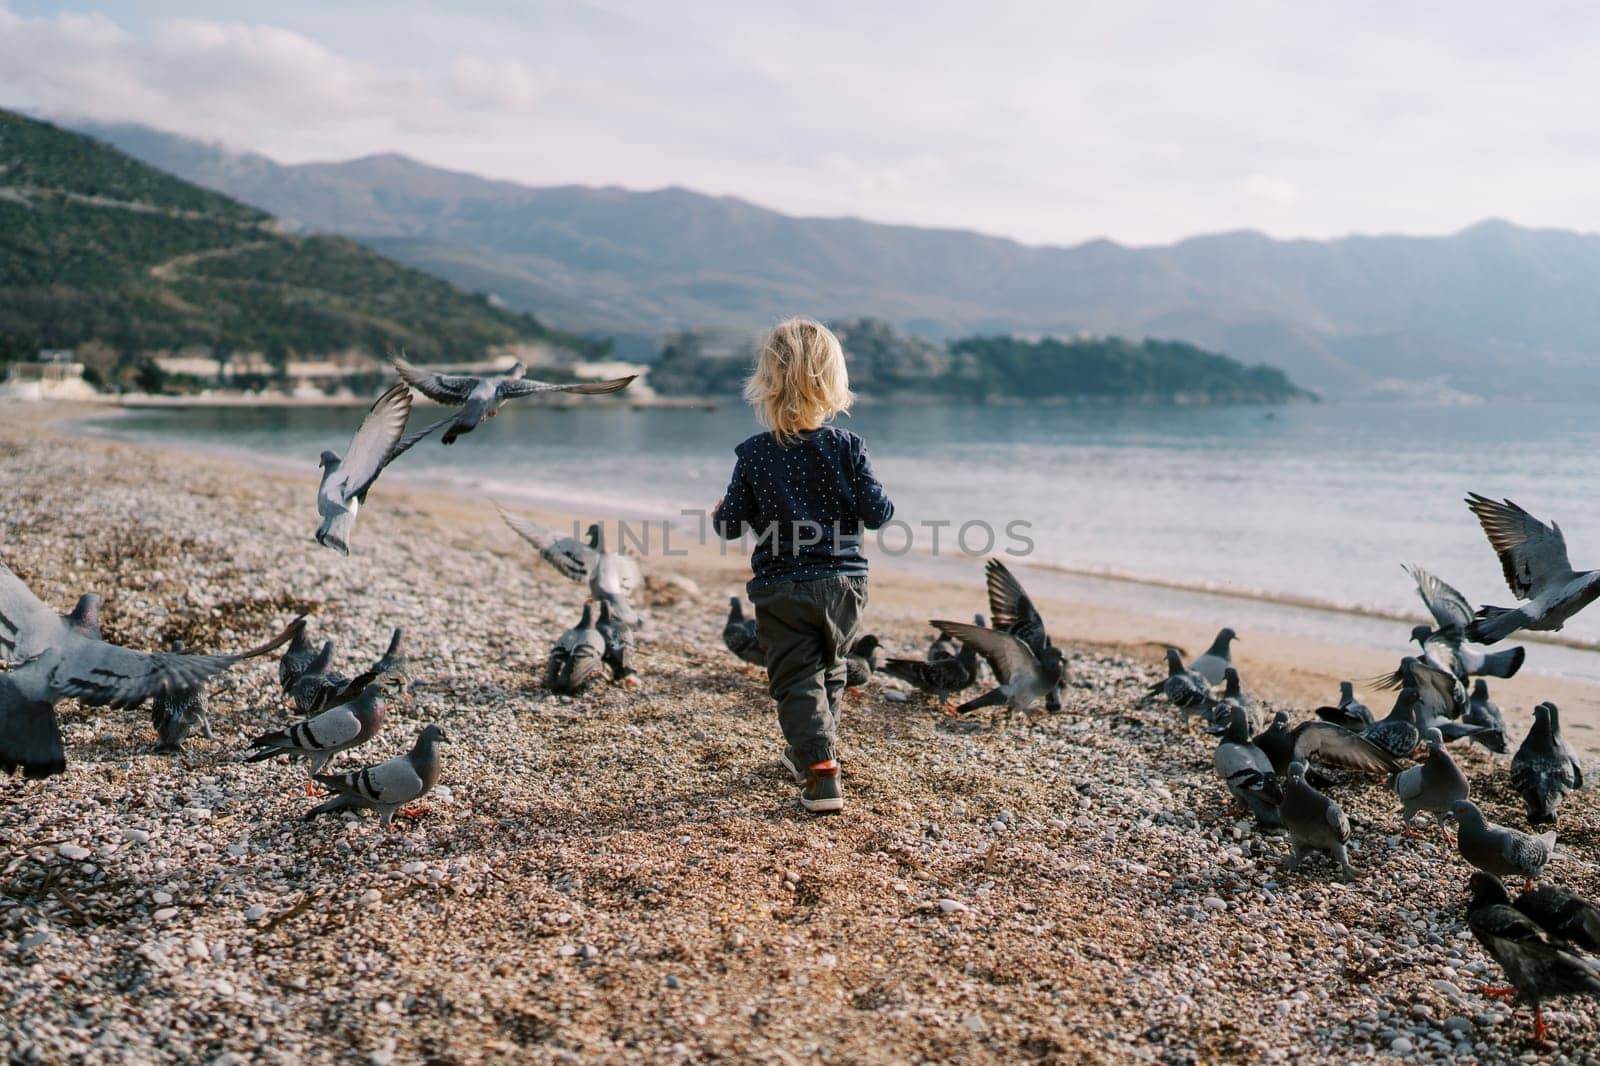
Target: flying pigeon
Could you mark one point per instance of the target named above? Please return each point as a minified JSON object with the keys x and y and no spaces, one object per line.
{"x":1539,"y":966}
{"x":1216,"y":659}
{"x":739,"y":634}
{"x":618,"y":638}
{"x":1484,"y":713}
{"x":390,"y":785}
{"x":1314,"y":822}
{"x":175,"y":713}
{"x":611,"y":576}
{"x":861,"y":661}
{"x":317,"y":740}
{"x":578,"y":656}
{"x":1544,"y":770}
{"x":1022,"y":680}
{"x":1246,"y":770}
{"x":1563,"y":914}
{"x":46,"y":657}
{"x":1349,"y":713}
{"x":380,"y":440}
{"x":1498,"y":850}
{"x":1184,"y":688}
{"x":939,"y":677}
{"x":1533,"y":557}
{"x":1452,"y":617}
{"x":480,"y":398}
{"x":1013,"y":612}
{"x":1436,"y":785}
{"x":320,"y":687}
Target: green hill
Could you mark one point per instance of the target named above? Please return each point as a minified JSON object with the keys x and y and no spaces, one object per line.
{"x":998,"y":368}
{"x":97,"y":247}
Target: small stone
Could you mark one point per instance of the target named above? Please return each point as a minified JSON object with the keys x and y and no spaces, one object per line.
{"x":197,"y":949}
{"x":413,"y":867}
{"x":1458,"y":1023}
{"x":566,"y":951}
{"x":1214,"y":903}
{"x":672,"y":981}
{"x":255,"y":912}
{"x":161,"y":899}
{"x":33,"y":940}
{"x":165,"y":914}
{"x":370,"y":897}
{"x":1401,"y":1046}
{"x":974,"y":1023}
{"x":73,"y":852}
{"x":952,"y":906}
{"x":443,"y":793}
{"x":590,"y":951}
{"x":136,"y":836}
{"x":1448,"y":989}
{"x":737,"y":940}
{"x":197,"y":814}
{"x":895,"y":696}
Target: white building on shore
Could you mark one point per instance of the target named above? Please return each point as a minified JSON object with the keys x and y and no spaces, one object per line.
{"x":55,"y":374}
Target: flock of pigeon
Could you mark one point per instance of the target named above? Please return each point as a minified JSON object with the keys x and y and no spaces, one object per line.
{"x":1276,"y":772}
{"x":46,"y":657}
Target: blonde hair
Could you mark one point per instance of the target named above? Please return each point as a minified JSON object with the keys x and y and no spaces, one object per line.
{"x":800,"y":380}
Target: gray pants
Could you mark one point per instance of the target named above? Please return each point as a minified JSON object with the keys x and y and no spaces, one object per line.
{"x":807,"y":627}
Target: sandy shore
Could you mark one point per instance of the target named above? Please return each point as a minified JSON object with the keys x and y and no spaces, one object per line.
{"x":622,"y":876}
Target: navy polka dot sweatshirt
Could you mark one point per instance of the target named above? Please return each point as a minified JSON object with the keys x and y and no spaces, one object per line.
{"x":805,"y":504}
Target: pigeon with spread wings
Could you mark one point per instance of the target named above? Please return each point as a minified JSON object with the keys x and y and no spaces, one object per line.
{"x":480,"y":398}
{"x":1023,"y":679}
{"x":612,"y":577}
{"x":1012,"y":611}
{"x":346,"y":480}
{"x":1533,"y":557}
{"x":46,"y":658}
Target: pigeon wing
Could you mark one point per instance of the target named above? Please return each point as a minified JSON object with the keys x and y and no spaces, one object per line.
{"x":1451,"y":612}
{"x":1435,"y":689}
{"x":440,"y":388}
{"x":391,"y":782}
{"x":1337,"y":746}
{"x":1011,"y":609}
{"x":375,"y":441}
{"x":1006,"y":655}
{"x":27,"y":625}
{"x":512,"y":388}
{"x":1531,"y":553}
{"x":575,"y":559}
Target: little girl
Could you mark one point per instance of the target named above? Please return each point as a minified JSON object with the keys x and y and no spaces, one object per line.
{"x":805,"y":489}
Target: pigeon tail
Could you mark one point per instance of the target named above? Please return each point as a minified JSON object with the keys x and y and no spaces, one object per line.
{"x":993,"y":698}
{"x":1494,"y":624}
{"x":1504,"y":664}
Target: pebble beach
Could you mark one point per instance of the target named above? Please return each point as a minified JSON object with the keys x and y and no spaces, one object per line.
{"x":623,"y":876}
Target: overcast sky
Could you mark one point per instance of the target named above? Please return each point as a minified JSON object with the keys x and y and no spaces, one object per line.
{"x":1049,"y":122}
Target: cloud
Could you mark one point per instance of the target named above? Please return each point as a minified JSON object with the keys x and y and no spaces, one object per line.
{"x":1136,"y":119}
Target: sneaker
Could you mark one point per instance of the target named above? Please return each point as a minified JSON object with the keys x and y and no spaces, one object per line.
{"x":822,"y":792}
{"x":791,"y":764}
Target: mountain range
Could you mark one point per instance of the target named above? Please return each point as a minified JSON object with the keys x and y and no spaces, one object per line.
{"x":1496,"y":308}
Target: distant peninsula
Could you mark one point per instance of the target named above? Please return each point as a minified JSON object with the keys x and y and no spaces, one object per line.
{"x":991,"y":369}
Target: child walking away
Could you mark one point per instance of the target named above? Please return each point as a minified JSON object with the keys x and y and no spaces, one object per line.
{"x":805,"y":490}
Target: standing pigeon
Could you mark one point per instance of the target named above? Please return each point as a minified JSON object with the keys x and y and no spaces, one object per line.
{"x":390,"y":785}
{"x":1022,"y":680}
{"x":1484,"y":712}
{"x":317,"y":740}
{"x":611,"y":576}
{"x":1436,"y":785}
{"x":320,"y":687}
{"x":1498,"y":850}
{"x":1349,"y":713}
{"x":1184,"y":688}
{"x":1013,"y":612}
{"x":860,"y":661}
{"x":480,"y":398}
{"x":1539,"y":966}
{"x":1233,"y":693}
{"x":1563,"y":914}
{"x":176,"y":712}
{"x":1533,"y":557}
{"x":1216,"y":659}
{"x":1543,"y":770}
{"x":1314,"y":822}
{"x":380,"y":440}
{"x":578,"y":656}
{"x":1452,"y":617}
{"x":45,"y":658}
{"x":740,"y":636}
{"x":1246,"y":770}
{"x":618,"y":637}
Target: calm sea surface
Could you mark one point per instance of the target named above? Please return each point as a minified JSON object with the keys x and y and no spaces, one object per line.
{"x":1308,"y":502}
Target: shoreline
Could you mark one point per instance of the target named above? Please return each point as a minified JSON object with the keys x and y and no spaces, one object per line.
{"x":1124,"y":614}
